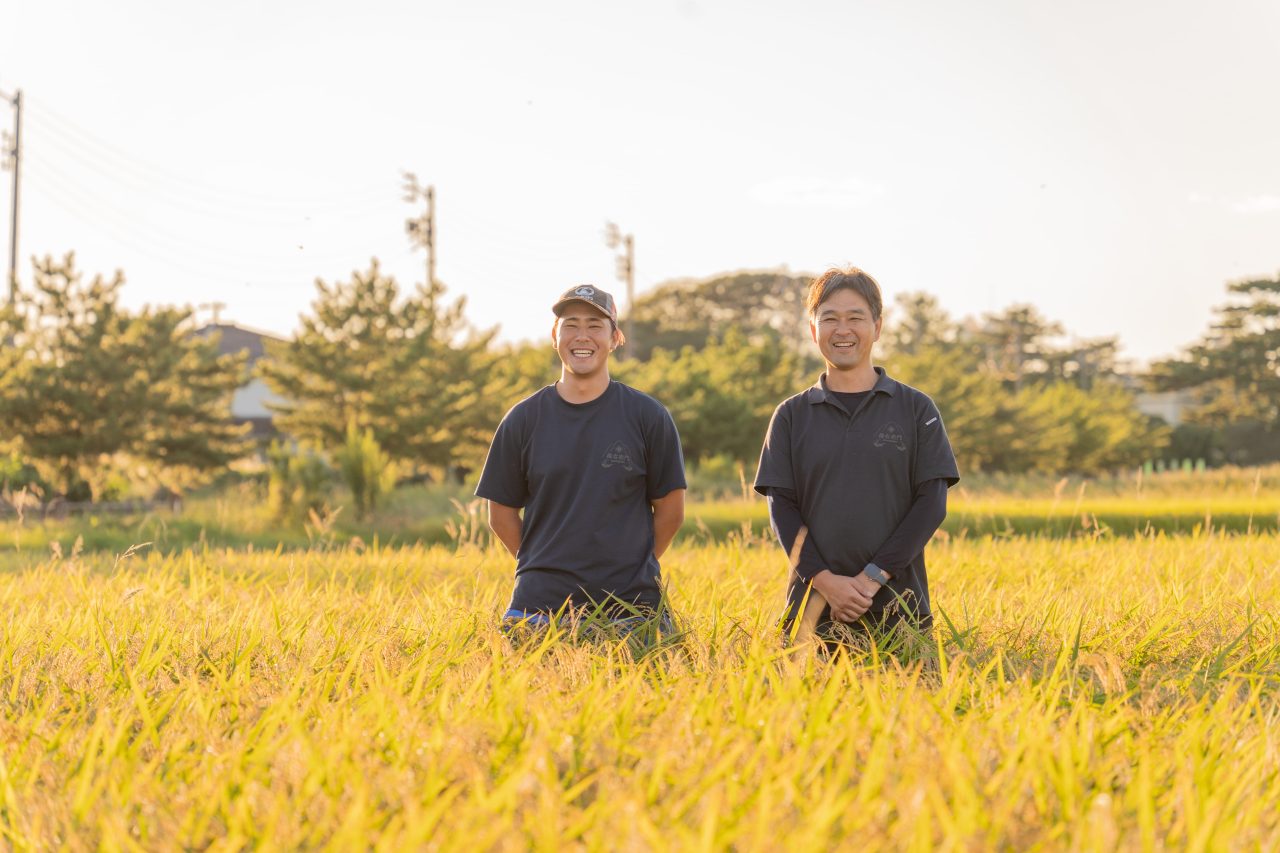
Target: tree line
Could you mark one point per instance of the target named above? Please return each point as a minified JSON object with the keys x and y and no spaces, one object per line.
{"x":385,"y":383}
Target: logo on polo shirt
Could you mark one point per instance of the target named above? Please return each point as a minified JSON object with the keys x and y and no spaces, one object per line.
{"x":618,"y":454}
{"x":891,"y":434}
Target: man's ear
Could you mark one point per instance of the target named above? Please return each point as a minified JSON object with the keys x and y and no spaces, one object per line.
{"x":879,"y":325}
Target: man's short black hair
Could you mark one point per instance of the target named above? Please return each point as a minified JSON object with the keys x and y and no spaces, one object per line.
{"x":847,"y":278}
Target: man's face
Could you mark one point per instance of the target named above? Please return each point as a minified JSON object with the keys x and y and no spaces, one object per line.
{"x":583,"y":337}
{"x":844,"y":330}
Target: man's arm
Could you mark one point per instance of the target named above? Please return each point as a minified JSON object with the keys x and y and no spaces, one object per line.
{"x":928,"y":509}
{"x":786,"y":522}
{"x":505,"y":523}
{"x":846,"y":596}
{"x":850,"y":597}
{"x":668,"y":515}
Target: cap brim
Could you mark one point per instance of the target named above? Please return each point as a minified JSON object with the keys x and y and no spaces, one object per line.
{"x":558,"y":308}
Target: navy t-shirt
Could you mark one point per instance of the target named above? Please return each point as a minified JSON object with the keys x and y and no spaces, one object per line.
{"x":585,"y":474}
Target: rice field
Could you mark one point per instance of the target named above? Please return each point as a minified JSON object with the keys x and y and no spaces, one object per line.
{"x":1092,"y":692}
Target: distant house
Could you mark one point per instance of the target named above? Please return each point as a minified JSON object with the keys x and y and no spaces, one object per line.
{"x":249,"y":405}
{"x":1169,"y":405}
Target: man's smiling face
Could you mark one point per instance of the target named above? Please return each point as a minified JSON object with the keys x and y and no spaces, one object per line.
{"x":845,"y":330}
{"x":583,"y":337}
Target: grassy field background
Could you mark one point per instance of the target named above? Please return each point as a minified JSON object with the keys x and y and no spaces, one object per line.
{"x":1087,"y":692}
{"x":1224,"y":500}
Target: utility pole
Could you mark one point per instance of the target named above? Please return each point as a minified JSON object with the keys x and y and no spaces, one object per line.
{"x":14,"y":161}
{"x":626,"y":271}
{"x":422,"y":231}
{"x":215,"y":308}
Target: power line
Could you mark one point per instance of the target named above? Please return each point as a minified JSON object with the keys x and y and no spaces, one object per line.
{"x":114,"y":160}
{"x":106,"y":164}
{"x":215,"y":263}
{"x":103,"y":213}
{"x":143,"y":186}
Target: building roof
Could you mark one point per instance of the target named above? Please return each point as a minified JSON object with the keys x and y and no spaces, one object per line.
{"x":234,"y":339}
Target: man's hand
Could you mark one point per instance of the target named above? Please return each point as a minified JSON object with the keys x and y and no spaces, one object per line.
{"x":849,"y":597}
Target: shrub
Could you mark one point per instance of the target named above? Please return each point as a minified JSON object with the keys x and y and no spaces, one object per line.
{"x":366,"y":469}
{"x":298,"y":481}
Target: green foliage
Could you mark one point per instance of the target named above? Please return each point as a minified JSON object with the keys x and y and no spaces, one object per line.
{"x":16,"y":474}
{"x":720,"y":396}
{"x":86,"y":382}
{"x":1020,"y":347}
{"x":406,"y":367}
{"x":721,"y":477}
{"x":366,"y":469}
{"x":1234,"y":373}
{"x":762,"y":306}
{"x":298,"y":482}
{"x":1012,"y":343}
{"x":1194,"y":441}
{"x":521,"y":369}
{"x":1105,"y":430}
{"x":917,"y":322}
{"x":1015,"y":395}
{"x":1050,"y":425}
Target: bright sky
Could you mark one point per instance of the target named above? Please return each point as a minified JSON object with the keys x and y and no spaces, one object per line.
{"x":1112,"y":163}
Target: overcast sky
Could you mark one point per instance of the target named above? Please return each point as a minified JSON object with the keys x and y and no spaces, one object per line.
{"x":1113,"y":163}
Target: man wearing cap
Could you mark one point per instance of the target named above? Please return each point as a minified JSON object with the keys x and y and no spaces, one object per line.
{"x":596,"y":468}
{"x":856,"y":470}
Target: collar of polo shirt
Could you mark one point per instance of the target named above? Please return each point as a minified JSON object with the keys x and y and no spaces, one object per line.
{"x":820,"y":393}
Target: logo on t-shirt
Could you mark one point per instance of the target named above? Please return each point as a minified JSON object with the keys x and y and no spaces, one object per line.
{"x":618,"y":454}
{"x":892,"y":434}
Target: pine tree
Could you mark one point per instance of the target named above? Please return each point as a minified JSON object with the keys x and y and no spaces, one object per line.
{"x":85,"y":381}
{"x":407,"y":368}
{"x":1234,"y":372}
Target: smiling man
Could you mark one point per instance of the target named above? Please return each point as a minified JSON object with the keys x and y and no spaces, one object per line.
{"x":856,"y":470}
{"x":596,"y":468}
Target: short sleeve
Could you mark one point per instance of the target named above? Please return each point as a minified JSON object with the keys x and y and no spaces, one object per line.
{"x":934,"y":457}
{"x":664,"y":457}
{"x":775,"y":470}
{"x":503,"y":479}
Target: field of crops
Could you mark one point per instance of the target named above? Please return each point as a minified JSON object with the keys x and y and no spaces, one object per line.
{"x":1223,"y":500}
{"x":1089,"y":692}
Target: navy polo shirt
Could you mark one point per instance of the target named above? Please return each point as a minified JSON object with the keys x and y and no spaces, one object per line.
{"x":855,"y":474}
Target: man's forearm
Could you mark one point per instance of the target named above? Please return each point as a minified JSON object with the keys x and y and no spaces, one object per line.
{"x":928,"y":509}
{"x":668,"y":515}
{"x":664,"y":531}
{"x":505,"y":523}
{"x":786,"y":521}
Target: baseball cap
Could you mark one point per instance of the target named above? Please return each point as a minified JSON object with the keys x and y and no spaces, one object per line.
{"x":593,"y":296}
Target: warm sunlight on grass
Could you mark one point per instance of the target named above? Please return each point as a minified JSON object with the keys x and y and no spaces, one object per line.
{"x":1080,"y":694}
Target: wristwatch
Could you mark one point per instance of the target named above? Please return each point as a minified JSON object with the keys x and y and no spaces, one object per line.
{"x":876,"y":573}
